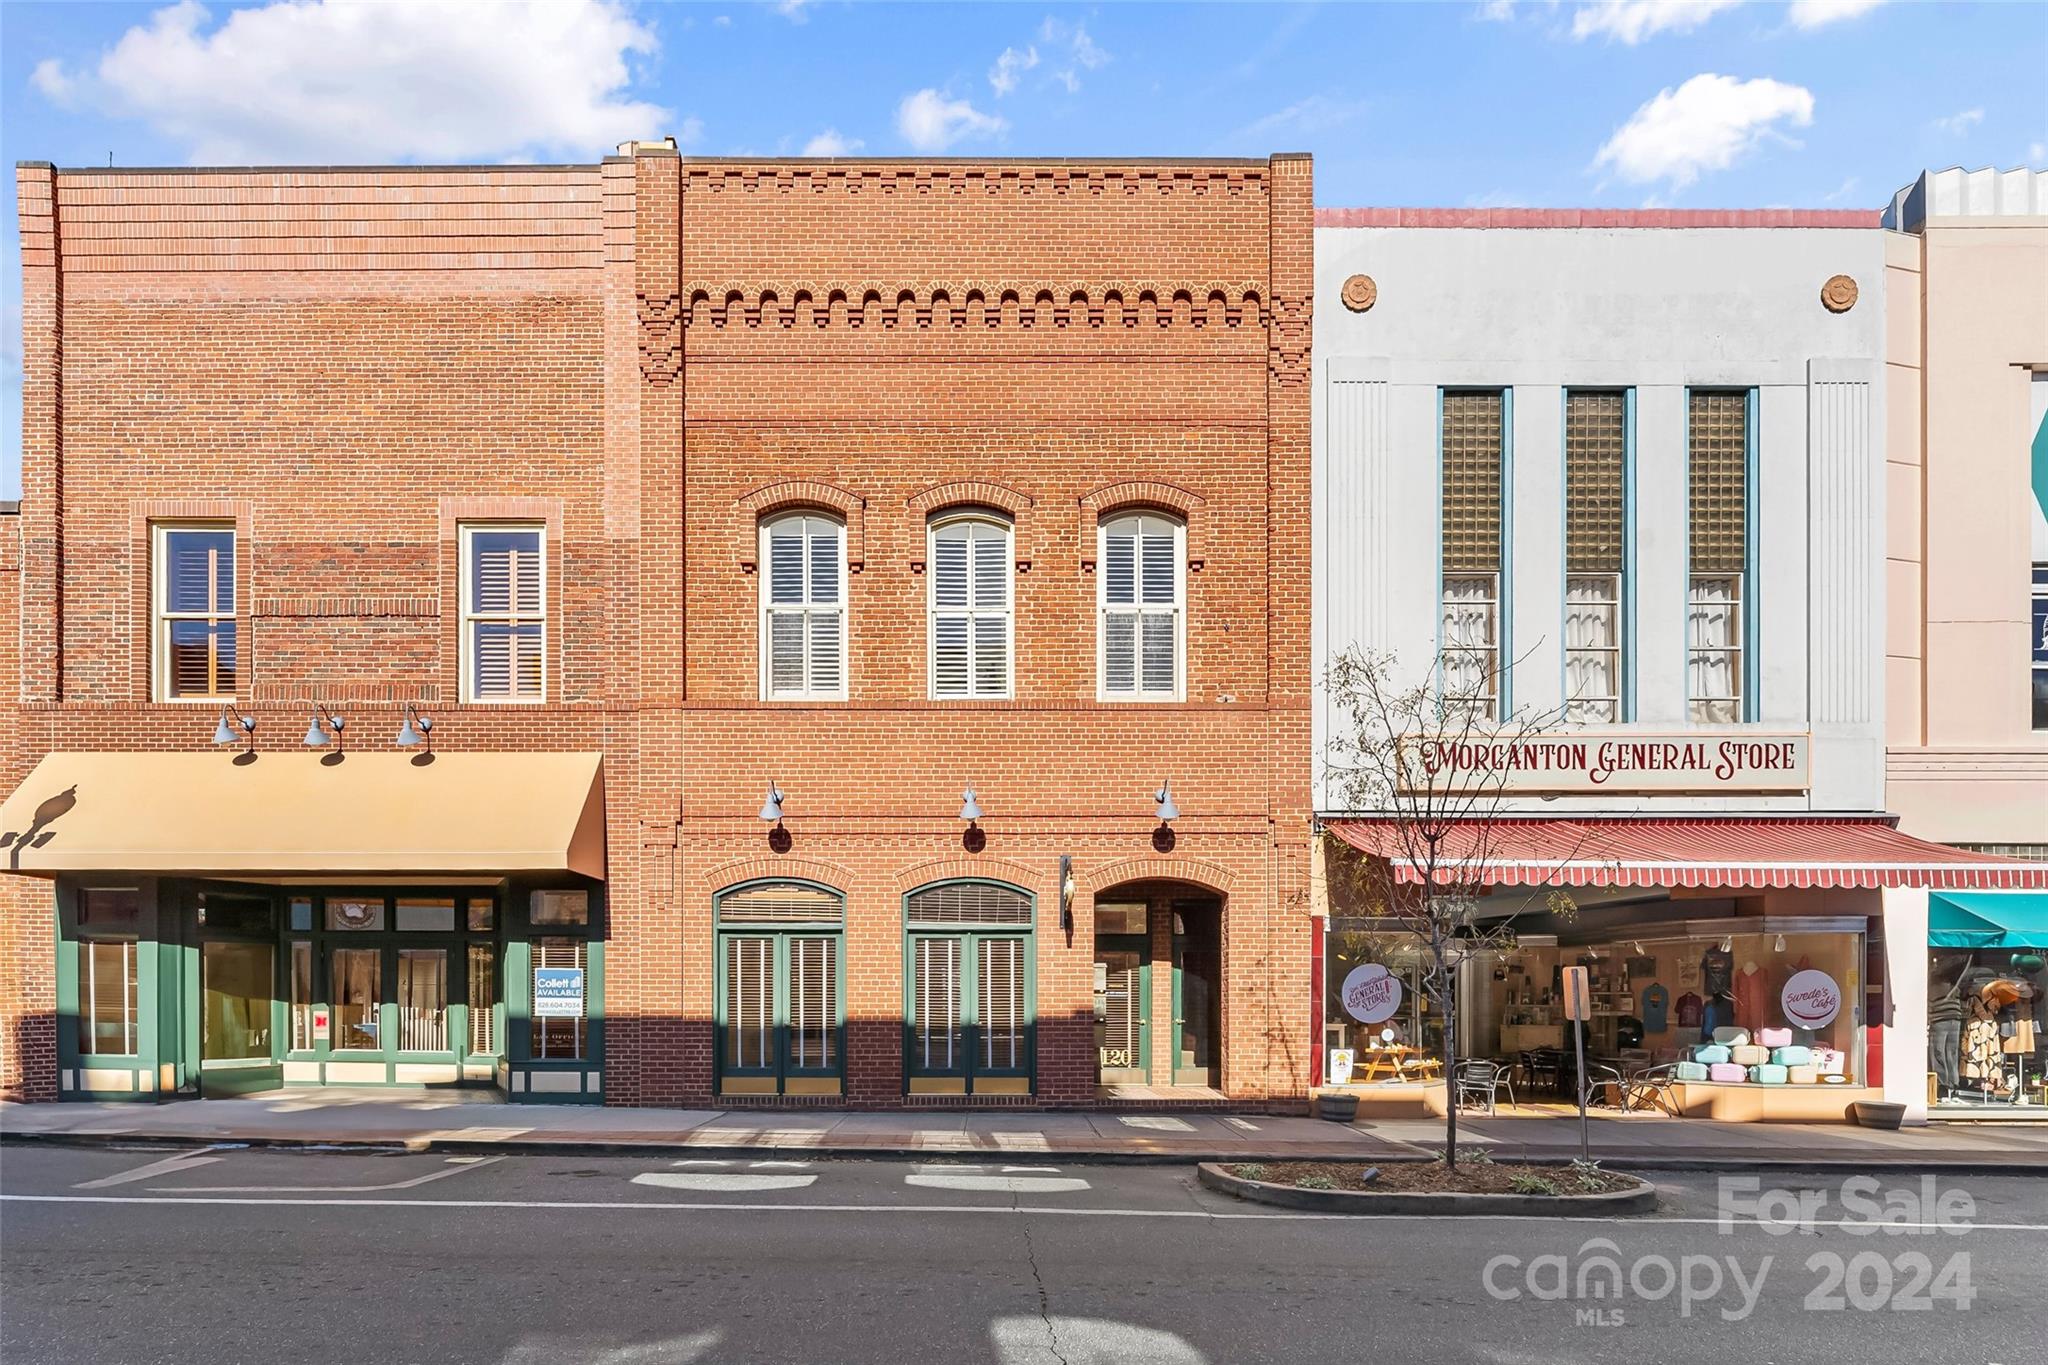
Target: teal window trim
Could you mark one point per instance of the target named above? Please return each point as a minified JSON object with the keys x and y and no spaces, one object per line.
{"x":780,"y":933}
{"x":972,"y":936}
{"x":1625,"y":606}
{"x":1752,"y":672}
{"x":1503,"y":596}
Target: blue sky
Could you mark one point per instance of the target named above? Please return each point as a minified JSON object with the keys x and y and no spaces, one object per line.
{"x":1685,"y":103}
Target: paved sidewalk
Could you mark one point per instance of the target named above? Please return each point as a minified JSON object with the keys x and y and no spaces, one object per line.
{"x":426,"y":1120}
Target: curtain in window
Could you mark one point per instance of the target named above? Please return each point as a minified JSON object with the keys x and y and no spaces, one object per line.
{"x":109,"y":998}
{"x":935,"y":1003}
{"x":1468,"y":641}
{"x":1713,"y":661}
{"x":970,"y":571}
{"x":1592,"y":656}
{"x":507,"y":610}
{"x":805,"y":609}
{"x":1141,"y":607}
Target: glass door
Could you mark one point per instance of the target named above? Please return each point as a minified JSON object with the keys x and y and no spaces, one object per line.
{"x":241,"y":1012}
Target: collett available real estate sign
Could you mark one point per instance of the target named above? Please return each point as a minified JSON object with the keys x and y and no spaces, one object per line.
{"x":1626,"y":761}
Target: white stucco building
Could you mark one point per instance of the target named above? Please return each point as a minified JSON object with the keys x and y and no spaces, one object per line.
{"x":1633,"y":464}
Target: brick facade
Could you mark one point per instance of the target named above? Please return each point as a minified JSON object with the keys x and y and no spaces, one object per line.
{"x":649,"y":356}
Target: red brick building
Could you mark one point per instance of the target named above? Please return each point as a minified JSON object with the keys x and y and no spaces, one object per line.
{"x":652,"y":484}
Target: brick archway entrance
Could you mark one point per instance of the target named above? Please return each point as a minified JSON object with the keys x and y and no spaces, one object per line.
{"x":1159,"y":1030}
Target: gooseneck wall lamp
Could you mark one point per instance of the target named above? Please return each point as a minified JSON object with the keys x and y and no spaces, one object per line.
{"x":1168,"y":812}
{"x":771,"y":808}
{"x":316,"y":736}
{"x":970,"y":809}
{"x":415,"y":729}
{"x":235,"y":725}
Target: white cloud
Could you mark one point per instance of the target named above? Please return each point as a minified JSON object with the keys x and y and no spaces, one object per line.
{"x":1315,"y":114}
{"x":793,"y":10}
{"x":1081,"y":52}
{"x":1706,"y":124}
{"x":1002,"y":77}
{"x":2037,"y":153}
{"x":832,"y":142}
{"x":1811,"y":14}
{"x":1632,"y":21}
{"x":1959,"y":123}
{"x":690,"y":132}
{"x":931,"y":123}
{"x":1497,"y":11}
{"x":319,"y":80}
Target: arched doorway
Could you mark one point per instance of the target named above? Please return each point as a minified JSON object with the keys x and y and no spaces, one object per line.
{"x":1158,"y":985}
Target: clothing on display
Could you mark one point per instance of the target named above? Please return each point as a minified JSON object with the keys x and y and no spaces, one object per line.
{"x":1749,"y":997}
{"x":1717,"y":972}
{"x":1656,"y":1006}
{"x":1688,"y":1010}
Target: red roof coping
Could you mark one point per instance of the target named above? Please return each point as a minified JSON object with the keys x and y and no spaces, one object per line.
{"x":1598,"y":218}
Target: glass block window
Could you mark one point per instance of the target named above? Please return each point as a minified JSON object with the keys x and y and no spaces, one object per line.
{"x":1717,"y":528}
{"x":1474,"y":430}
{"x":1596,"y":523}
{"x":197,"y":648}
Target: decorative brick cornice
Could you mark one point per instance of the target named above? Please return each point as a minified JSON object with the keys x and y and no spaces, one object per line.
{"x":774,"y":497}
{"x":1191,"y":870}
{"x":345,"y":606}
{"x":1287,"y":346}
{"x":972,"y":306}
{"x":908,"y":879}
{"x":1153,"y":493}
{"x":773,"y":867}
{"x":985,"y":181}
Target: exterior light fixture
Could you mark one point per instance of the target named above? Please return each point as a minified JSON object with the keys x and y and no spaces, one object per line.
{"x":1781,"y":943}
{"x":315,"y":735}
{"x":771,"y":809}
{"x":1638,"y":946}
{"x":235,"y":726}
{"x":1168,"y":812}
{"x":415,"y":728}
{"x":970,"y":811}
{"x":1728,"y":943}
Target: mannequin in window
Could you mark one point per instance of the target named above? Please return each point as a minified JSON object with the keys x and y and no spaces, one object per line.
{"x":1945,"y":1012}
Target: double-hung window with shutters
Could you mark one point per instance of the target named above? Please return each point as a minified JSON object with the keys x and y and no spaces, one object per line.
{"x":504,"y":613}
{"x":1595,"y":552}
{"x":969,"y":1006}
{"x":1474,"y":434}
{"x":197,"y":658}
{"x":1143,"y":626}
{"x":803,"y":608}
{"x":780,"y":989}
{"x":970,"y":643}
{"x":1718,"y":605}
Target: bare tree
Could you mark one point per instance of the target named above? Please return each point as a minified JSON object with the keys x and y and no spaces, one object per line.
{"x":1417,"y":757}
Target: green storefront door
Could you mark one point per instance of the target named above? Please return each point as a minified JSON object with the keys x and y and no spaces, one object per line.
{"x":241,"y":1014}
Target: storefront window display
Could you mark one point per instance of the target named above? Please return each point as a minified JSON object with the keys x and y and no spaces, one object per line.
{"x":1984,"y":1028}
{"x":1374,"y":1006}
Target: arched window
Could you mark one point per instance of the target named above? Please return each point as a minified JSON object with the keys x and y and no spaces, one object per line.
{"x":970,"y":1002}
{"x":803,"y":608}
{"x":781,"y":989}
{"x":1143,"y":590}
{"x":970,"y":633}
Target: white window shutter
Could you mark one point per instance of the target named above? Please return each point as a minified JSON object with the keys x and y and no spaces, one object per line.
{"x":1158,"y":565}
{"x":786,"y":563}
{"x":949,"y":656}
{"x":1120,"y":568}
{"x":827,"y":673}
{"x":991,"y":569}
{"x":1120,"y":651}
{"x":949,"y":568}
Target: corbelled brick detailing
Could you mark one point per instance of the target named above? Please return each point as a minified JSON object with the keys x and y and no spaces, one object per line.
{"x":647,"y":357}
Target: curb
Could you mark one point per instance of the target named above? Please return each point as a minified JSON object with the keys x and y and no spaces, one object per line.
{"x":658,"y":1147}
{"x":1367,"y":1203}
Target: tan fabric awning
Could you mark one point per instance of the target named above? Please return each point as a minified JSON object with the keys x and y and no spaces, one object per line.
{"x":225,"y":813}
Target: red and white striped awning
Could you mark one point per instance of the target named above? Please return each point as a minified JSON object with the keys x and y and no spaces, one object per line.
{"x":1735,"y":851}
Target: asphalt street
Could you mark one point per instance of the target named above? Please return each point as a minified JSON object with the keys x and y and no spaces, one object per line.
{"x":227,"y":1255}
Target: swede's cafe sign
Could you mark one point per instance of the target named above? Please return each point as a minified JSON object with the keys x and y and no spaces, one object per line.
{"x":1568,"y":764}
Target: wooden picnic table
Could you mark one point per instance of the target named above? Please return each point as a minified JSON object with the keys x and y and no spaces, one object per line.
{"x":1394,"y":1060}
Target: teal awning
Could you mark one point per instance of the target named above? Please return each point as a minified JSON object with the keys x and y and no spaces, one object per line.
{"x":1987,"y":919}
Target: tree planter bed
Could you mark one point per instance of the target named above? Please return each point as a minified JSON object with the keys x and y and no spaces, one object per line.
{"x":1358,"y":1190}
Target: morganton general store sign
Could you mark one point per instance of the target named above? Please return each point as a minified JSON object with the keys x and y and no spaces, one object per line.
{"x":1608,"y":763}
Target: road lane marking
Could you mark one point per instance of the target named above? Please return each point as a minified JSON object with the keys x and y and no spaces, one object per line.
{"x":1049,"y":1210}
{"x":1002,"y":1184}
{"x":738,"y":1182}
{"x":413,"y":1183}
{"x":790,"y":1165}
{"x":183,"y":1161}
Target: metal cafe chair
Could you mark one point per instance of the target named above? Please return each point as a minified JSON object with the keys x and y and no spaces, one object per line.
{"x":1650,"y":1088}
{"x":1483,"y":1080}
